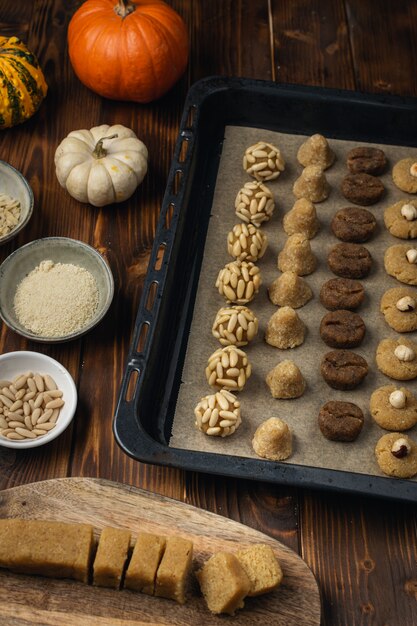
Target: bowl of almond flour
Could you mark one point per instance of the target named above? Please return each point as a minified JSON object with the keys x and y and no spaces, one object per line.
{"x":54,"y":289}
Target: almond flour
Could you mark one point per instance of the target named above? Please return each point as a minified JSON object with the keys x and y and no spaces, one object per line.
{"x":56,"y":299}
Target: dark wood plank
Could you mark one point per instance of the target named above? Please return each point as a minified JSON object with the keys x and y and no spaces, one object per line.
{"x":383,"y":40}
{"x":231,"y":37}
{"x":274,"y":509}
{"x":312,"y":43}
{"x":364,"y":554}
{"x":15,"y":18}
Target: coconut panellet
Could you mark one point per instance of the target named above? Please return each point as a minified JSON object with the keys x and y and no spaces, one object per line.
{"x":285,"y":381}
{"x":301,"y":219}
{"x":289,"y":289}
{"x":316,"y":151}
{"x":285,"y":329}
{"x":312,"y":184}
{"x":228,"y":368}
{"x":238,"y":282}
{"x":297,"y":256}
{"x":273,"y":440}
{"x":235,"y":325}
{"x":254,"y":203}
{"x":263,"y":161}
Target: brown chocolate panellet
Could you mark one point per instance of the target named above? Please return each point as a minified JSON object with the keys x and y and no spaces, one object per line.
{"x":353,"y":224}
{"x":350,"y":260}
{"x":342,"y":293}
{"x":340,"y":421}
{"x":366,"y":160}
{"x":342,"y":329}
{"x":343,"y":369}
{"x":362,"y":189}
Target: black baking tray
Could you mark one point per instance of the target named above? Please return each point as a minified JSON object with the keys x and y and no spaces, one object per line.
{"x":146,"y":405}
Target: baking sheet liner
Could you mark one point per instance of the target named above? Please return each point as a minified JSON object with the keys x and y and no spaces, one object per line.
{"x":310,"y":448}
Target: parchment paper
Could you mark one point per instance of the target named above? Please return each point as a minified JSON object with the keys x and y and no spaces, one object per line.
{"x":310,"y":448}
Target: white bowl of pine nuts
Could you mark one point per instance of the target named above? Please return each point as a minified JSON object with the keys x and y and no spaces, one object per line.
{"x":38,"y":399}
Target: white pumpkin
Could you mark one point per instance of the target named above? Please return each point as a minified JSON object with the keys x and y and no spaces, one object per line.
{"x":102,"y":165}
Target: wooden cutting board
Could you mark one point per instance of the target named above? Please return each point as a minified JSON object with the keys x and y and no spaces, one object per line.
{"x":33,"y":600}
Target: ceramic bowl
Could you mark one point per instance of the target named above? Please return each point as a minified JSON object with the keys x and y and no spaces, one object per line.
{"x":59,"y":250}
{"x":14,"y":363}
{"x":15,"y":185}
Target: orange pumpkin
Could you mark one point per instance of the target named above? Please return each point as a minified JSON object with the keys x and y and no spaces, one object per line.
{"x":128,"y":49}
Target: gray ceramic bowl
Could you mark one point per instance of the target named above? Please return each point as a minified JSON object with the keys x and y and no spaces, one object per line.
{"x":15,"y":185}
{"x":58,"y":250}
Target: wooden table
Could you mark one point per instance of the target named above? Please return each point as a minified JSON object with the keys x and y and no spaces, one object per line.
{"x":362,"y":550}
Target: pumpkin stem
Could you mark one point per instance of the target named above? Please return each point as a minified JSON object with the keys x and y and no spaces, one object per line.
{"x":124,"y":8}
{"x":99,"y":152}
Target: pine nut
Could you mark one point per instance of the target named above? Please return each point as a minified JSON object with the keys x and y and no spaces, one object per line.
{"x":20,"y":382}
{"x":6,"y":401}
{"x":16,"y":417}
{"x":15,"y":424}
{"x":56,"y":403}
{"x":44,"y":417}
{"x":50,"y":384}
{"x":46,"y":397}
{"x":47,"y":426}
{"x":26,"y":433}
{"x":55,"y":393}
{"x":6,"y":392}
{"x":36,"y":415}
{"x":16,"y":405}
{"x":38,"y":402}
{"x":32,"y":385}
{"x":39,"y":382}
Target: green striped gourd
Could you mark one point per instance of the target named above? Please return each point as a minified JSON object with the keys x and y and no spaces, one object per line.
{"x":22,"y":83}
